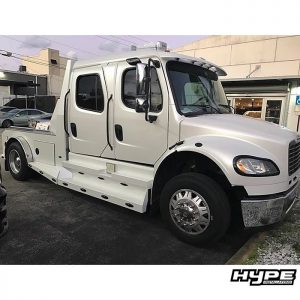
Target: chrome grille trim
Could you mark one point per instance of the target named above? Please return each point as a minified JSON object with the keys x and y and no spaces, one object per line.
{"x":294,"y":156}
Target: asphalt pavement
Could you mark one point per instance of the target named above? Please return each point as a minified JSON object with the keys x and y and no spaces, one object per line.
{"x":49,"y":224}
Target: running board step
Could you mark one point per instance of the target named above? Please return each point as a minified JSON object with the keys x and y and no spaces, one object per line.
{"x":106,"y":188}
{"x":124,"y":172}
{"x":132,"y":197}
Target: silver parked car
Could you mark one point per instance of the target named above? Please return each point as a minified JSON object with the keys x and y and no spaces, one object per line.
{"x":45,"y":119}
{"x":19,"y":117}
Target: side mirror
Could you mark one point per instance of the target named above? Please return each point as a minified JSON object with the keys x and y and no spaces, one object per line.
{"x":140,"y":105}
{"x":141,"y":79}
{"x":17,"y":115}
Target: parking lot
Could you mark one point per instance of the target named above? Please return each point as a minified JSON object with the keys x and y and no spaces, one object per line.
{"x":49,"y":224}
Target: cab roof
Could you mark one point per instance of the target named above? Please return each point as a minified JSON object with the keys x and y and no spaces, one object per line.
{"x":144,"y":53}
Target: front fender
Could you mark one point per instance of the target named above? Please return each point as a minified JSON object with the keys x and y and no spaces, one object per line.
{"x":222,"y":151}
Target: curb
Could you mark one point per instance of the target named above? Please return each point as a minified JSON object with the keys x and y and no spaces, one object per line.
{"x":247,"y":249}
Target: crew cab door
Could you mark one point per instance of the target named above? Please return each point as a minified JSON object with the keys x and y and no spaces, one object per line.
{"x":87,"y":112}
{"x":137,"y":140}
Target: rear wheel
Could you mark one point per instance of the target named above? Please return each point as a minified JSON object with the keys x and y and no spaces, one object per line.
{"x":195,"y":208}
{"x":7,"y":123}
{"x":17,"y":162}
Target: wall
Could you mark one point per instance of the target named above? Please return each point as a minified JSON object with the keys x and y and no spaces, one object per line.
{"x":4,"y":91}
{"x":276,"y":56}
{"x":42,"y":65}
{"x":255,"y":57}
{"x":54,"y":85}
{"x":293,"y":110}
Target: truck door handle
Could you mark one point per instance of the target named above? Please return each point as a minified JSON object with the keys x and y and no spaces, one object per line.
{"x":119,"y":132}
{"x":74,"y":129}
{"x":107,"y":122}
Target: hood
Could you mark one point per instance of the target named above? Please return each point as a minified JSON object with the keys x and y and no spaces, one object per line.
{"x":251,"y":130}
{"x":6,"y":114}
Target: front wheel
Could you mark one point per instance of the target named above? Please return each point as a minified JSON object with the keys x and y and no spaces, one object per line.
{"x":7,"y":123}
{"x":195,"y":208}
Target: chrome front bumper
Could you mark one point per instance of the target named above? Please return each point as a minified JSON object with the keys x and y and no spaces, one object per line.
{"x":265,"y":210}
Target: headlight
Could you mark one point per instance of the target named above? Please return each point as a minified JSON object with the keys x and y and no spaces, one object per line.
{"x":255,"y":166}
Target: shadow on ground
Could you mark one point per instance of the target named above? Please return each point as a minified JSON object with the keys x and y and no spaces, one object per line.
{"x":52,"y":225}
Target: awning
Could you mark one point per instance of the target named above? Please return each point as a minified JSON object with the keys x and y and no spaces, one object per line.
{"x":247,"y":86}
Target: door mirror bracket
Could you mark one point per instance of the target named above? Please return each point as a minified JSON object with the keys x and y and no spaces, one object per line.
{"x":143,"y":88}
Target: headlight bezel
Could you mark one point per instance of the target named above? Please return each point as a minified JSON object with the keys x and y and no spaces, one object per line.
{"x":262,"y":159}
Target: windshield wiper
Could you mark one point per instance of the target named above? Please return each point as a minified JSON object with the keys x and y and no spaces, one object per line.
{"x":207,"y":103}
{"x":227,"y":106}
{"x":194,"y":113}
{"x":204,"y":106}
{"x":212,"y":107}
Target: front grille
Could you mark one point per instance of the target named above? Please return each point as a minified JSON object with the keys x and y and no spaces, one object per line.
{"x":294,"y":157}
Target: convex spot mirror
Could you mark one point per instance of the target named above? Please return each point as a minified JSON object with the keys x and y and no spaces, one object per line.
{"x":140,"y":105}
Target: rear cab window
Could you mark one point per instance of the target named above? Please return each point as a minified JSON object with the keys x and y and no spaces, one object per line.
{"x":89,"y":93}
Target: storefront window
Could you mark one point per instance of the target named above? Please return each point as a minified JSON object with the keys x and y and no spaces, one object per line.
{"x":273,"y":109}
{"x":269,"y":108}
{"x":250,"y":107}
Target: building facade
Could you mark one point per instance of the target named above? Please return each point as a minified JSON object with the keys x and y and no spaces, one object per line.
{"x":51,"y":64}
{"x":263,"y":74}
{"x":20,"y":84}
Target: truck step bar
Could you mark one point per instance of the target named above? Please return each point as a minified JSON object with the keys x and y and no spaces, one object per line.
{"x":134,"y":175}
{"x":114,"y":188}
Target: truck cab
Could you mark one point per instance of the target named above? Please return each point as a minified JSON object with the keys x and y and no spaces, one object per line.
{"x":152,"y":130}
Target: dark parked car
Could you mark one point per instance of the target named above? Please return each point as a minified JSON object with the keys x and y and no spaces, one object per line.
{"x":5,"y":109}
{"x":20,"y":117}
{"x":3,"y":212}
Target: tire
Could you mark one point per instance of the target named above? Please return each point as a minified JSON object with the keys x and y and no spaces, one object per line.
{"x":7,"y":123}
{"x":17,"y":162}
{"x":190,"y":197}
{"x":3,"y":212}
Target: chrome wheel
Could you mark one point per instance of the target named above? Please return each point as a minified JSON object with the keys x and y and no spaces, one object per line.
{"x":14,"y":161}
{"x":189,"y":211}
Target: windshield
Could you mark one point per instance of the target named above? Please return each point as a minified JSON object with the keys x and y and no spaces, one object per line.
{"x":196,"y":90}
{"x":13,"y":111}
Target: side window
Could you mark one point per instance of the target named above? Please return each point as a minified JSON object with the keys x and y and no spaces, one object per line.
{"x":129,"y":90}
{"x":89,"y":93}
{"x":23,"y":113}
{"x":34,"y":112}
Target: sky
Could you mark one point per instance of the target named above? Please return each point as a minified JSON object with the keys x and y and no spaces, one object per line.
{"x":81,"y":46}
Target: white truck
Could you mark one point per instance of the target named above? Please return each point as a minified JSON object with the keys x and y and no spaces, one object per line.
{"x":151,"y":129}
